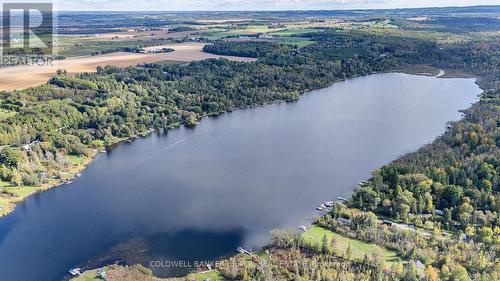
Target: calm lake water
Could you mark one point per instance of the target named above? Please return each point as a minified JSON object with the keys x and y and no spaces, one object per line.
{"x":197,"y":194}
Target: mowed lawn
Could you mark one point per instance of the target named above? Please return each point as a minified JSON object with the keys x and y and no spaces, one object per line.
{"x":359,"y":248}
{"x":4,"y":114}
{"x":213,"y":275}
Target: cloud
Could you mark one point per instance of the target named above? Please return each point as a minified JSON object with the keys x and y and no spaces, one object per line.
{"x":183,"y":5}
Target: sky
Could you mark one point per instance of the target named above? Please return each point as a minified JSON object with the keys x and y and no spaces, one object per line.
{"x":241,"y":5}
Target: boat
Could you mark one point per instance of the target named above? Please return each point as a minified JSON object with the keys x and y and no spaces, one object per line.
{"x":242,"y":251}
{"x":329,"y":203}
{"x":303,"y":228}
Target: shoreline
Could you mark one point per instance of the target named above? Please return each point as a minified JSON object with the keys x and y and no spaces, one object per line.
{"x":89,"y":160}
{"x":199,"y":272}
{"x":10,"y":204}
{"x":438,"y":73}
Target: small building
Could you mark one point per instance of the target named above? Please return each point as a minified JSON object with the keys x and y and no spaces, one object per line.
{"x":439,"y":212}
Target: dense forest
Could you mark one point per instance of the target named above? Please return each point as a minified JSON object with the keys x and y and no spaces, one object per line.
{"x":71,"y":114}
{"x":451,"y":184}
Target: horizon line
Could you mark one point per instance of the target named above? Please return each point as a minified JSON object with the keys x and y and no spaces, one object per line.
{"x":286,"y":10}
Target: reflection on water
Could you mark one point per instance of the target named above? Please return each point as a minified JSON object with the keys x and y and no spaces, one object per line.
{"x":198,"y":194}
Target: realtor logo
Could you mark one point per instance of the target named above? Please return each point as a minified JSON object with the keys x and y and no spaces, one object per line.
{"x":27,"y":29}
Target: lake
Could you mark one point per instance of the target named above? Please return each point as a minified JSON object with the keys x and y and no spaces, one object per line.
{"x":196,"y":194}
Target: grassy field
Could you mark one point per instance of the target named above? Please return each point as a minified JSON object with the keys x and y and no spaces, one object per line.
{"x":76,"y":159}
{"x":300,"y":42}
{"x":213,"y":275}
{"x":74,"y":46}
{"x":10,"y":196}
{"x":359,"y":248}
{"x":4,"y":114}
{"x":294,"y":31}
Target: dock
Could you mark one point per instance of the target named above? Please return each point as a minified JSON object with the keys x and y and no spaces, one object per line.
{"x":75,"y":271}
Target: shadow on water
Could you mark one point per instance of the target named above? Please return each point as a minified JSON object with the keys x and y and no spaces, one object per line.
{"x":168,"y":254}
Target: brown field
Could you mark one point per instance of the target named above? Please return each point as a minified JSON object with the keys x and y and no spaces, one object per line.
{"x":21,"y":77}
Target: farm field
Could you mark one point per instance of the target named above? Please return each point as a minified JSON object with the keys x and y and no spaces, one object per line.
{"x":36,"y":75}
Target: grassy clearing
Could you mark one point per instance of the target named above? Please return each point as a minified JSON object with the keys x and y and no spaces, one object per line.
{"x":76,"y":159}
{"x":4,"y":183}
{"x":213,"y":275}
{"x":300,"y":42}
{"x":4,"y":114}
{"x":11,"y":195}
{"x":294,"y":31}
{"x":248,"y":30}
{"x":359,"y":248}
{"x":23,"y":191}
